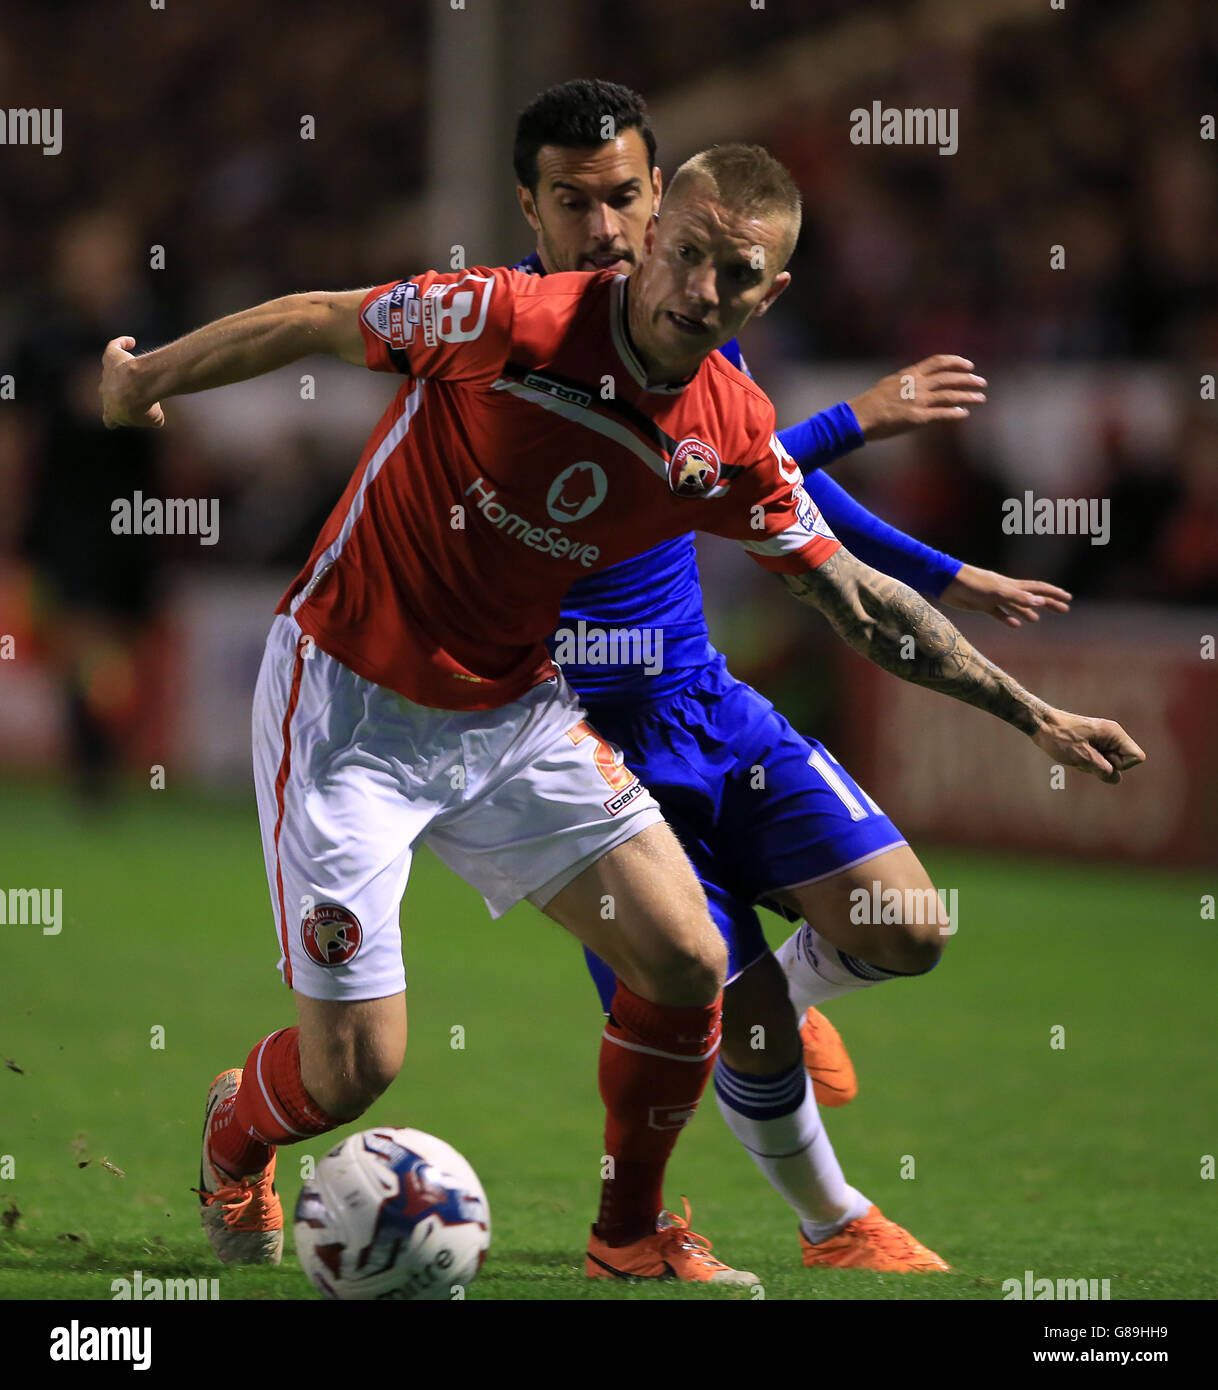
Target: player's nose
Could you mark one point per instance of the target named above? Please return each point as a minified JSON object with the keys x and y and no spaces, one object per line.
{"x":700,"y":286}
{"x":605,"y":223}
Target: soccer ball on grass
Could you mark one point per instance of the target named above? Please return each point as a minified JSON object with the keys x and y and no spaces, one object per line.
{"x":392,"y":1213}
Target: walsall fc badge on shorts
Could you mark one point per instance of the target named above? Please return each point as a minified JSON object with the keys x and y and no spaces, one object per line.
{"x":331,"y":935}
{"x":693,"y":469}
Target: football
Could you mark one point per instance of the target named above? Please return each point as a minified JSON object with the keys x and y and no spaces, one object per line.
{"x":392,"y":1213}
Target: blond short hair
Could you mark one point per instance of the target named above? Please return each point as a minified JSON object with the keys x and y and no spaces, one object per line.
{"x":748,"y":180}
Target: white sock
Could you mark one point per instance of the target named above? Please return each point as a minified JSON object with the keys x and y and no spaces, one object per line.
{"x":776,"y":1119}
{"x":816,"y":970}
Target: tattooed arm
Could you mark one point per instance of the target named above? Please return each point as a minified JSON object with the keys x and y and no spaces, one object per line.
{"x":890,"y":624}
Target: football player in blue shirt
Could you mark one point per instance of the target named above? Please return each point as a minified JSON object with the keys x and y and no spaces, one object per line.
{"x":765,"y":814}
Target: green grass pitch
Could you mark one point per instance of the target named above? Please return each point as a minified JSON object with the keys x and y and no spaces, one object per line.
{"x":1086,"y":1160}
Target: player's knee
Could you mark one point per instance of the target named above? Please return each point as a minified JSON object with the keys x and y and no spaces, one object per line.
{"x":346,"y":1094}
{"x":346,"y":1079}
{"x":920,"y":954}
{"x":690,"y":972}
{"x":709,"y":964}
{"x":916,"y":947}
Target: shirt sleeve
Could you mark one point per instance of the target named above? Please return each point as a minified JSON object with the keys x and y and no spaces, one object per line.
{"x":823,"y":438}
{"x":454,"y":327}
{"x":769,"y":512}
{"x":878,"y":544}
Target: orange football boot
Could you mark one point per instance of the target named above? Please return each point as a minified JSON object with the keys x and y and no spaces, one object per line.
{"x":242,"y":1217}
{"x":826,"y":1061}
{"x":673,"y":1252}
{"x":872,"y":1242}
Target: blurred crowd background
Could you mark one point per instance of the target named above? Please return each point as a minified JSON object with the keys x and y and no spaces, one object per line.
{"x":182,"y":130}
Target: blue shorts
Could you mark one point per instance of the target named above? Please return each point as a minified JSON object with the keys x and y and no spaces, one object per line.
{"x":756,"y":805}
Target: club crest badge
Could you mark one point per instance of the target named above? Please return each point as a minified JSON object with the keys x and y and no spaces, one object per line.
{"x":331,"y":935}
{"x":694,"y":468}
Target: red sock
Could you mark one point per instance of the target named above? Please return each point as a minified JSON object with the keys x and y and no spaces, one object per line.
{"x":271,"y":1107}
{"x":655,"y":1062}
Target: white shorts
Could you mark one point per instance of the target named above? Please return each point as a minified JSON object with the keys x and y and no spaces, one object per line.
{"x":351,"y":777}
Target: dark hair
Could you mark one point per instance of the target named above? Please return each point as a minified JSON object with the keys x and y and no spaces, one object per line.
{"x":572,"y":116}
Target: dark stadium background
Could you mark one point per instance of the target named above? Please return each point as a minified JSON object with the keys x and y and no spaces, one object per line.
{"x":1081,"y":127}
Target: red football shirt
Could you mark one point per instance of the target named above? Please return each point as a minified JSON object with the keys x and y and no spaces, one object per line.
{"x":524,"y":450}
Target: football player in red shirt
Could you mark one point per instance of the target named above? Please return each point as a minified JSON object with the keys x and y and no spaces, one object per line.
{"x":544,"y":429}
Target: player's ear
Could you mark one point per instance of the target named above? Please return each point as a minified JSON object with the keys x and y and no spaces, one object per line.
{"x":657,"y":187}
{"x":649,"y":234}
{"x":528,"y":205}
{"x":781,"y":281}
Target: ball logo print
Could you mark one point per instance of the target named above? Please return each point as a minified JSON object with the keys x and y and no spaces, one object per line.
{"x":694,"y":468}
{"x":392,"y":1214}
{"x":331,"y":935}
{"x":422,"y":1192}
{"x":577,"y":492}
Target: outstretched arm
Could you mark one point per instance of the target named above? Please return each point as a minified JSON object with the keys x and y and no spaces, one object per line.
{"x":897,"y":629}
{"x":934,"y":389}
{"x":232,"y":349}
{"x":938,"y":388}
{"x":1009,"y":601}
